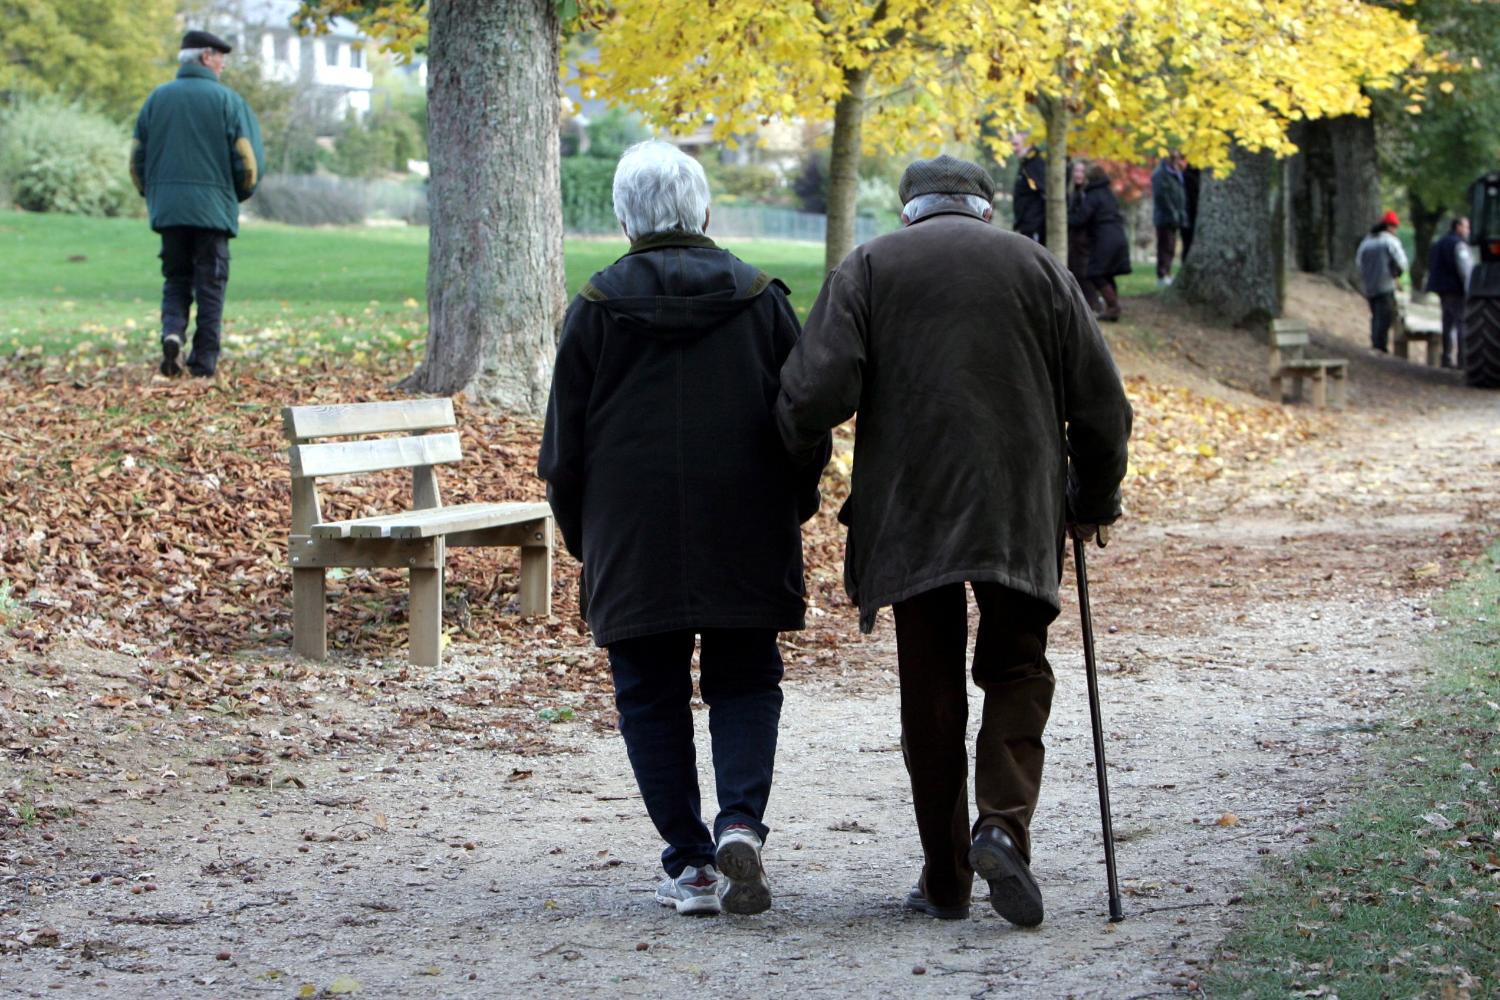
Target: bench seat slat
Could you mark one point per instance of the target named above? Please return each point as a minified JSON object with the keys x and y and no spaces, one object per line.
{"x":434,"y":521}
{"x":1313,"y":363}
{"x":304,"y":422}
{"x":343,"y":458}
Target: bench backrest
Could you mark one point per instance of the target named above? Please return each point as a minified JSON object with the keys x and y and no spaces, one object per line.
{"x":415,"y":450}
{"x":1288,"y":338}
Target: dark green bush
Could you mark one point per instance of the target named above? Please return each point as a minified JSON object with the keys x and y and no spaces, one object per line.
{"x":588,"y":194}
{"x":57,"y":157}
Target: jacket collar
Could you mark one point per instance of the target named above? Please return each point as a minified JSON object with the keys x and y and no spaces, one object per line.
{"x":950,"y":208}
{"x":198,"y":70}
{"x":671,"y":238}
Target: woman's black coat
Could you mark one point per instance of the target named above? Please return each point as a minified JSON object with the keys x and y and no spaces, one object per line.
{"x":1098,"y":214}
{"x":664,"y":468}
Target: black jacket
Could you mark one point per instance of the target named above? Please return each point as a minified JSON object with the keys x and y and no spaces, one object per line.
{"x":1446,"y":273}
{"x":1029,"y":196}
{"x":989,"y":409}
{"x":663,"y":465}
{"x":1098,"y":215}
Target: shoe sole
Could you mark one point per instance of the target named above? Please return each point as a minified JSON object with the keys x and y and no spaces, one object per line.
{"x":1014,"y":894}
{"x":170,"y":349}
{"x":748,"y":892}
{"x":926,"y":908}
{"x":693,"y":906}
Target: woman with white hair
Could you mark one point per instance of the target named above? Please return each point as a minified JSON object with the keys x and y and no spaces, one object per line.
{"x":669,"y":483}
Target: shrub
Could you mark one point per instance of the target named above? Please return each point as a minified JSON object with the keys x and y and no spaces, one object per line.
{"x":310,"y":200}
{"x":733,"y":184}
{"x":57,"y":157}
{"x":588,"y":194}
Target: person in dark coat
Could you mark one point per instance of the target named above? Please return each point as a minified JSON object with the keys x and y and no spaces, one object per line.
{"x":1448,"y":267}
{"x":669,"y":483}
{"x":1098,"y":215}
{"x":196,"y":154}
{"x":1029,"y":196}
{"x":992,"y":421}
{"x":1078,"y":237}
{"x":1168,"y":213}
{"x":1192,"y":182}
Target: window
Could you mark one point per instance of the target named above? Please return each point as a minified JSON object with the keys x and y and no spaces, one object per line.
{"x":356,"y":57}
{"x":283,"y":48}
{"x":333,"y":53}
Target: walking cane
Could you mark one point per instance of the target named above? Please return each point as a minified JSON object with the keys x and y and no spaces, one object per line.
{"x":1080,"y":566}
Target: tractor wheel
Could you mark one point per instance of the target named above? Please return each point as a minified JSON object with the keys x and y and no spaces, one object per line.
{"x":1482,"y":343}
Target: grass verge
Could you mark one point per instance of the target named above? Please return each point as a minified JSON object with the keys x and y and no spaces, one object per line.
{"x":1402,"y":897}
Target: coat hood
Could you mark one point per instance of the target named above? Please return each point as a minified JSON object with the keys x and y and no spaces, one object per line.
{"x":676,"y":285}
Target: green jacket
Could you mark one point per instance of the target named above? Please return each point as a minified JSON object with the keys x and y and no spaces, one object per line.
{"x":197,"y":153}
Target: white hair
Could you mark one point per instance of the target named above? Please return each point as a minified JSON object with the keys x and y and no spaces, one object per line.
{"x":659,"y":188}
{"x":926,"y":204}
{"x":189,"y":56}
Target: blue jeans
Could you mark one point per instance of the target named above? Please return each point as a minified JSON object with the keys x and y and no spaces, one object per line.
{"x":740,"y":680}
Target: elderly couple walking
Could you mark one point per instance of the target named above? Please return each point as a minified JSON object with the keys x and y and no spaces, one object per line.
{"x":688,"y":426}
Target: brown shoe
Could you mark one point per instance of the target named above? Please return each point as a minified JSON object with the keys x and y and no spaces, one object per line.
{"x":1013,"y":892}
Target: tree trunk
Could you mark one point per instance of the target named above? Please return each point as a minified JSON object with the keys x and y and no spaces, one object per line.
{"x":1356,"y":191}
{"x":1235,"y":256}
{"x":843,"y":169}
{"x":1311,"y":182}
{"x":1059,"y":118}
{"x":495,"y":286}
{"x":1424,"y":222}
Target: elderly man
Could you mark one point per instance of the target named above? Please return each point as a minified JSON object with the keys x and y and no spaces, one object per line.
{"x":991,"y":420}
{"x":670,"y":485}
{"x":196,"y":156}
{"x":1381,"y":260}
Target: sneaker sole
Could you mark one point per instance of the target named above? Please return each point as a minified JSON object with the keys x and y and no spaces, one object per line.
{"x":748,"y":892}
{"x":693,"y":906}
{"x":1014,"y":894}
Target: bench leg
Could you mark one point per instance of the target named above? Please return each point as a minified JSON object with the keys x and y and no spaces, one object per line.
{"x":536,"y":574}
{"x":1435,"y":350}
{"x":1276,"y":388}
{"x":1338,"y":392}
{"x":1320,"y":388}
{"x":426,"y":618}
{"x":309,"y":626}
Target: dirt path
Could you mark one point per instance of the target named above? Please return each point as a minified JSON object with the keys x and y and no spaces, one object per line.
{"x":1254,"y":646}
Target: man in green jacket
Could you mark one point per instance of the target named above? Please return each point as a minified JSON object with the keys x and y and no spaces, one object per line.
{"x":992,"y":421}
{"x":197,"y":154}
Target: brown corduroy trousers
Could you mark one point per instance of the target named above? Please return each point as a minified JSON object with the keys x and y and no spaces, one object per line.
{"x":1010,"y":667}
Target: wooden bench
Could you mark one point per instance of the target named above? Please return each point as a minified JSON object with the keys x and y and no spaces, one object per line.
{"x":417,"y":539}
{"x":1288,"y":340}
{"x":1415,"y":324}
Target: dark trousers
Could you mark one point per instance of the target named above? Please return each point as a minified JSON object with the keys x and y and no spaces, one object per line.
{"x":1103,"y":289}
{"x":740,"y":680}
{"x":1166,"y":250}
{"x":195,"y":264}
{"x":1453,"y":328}
{"x":1010,"y":667}
{"x":1382,"y":314}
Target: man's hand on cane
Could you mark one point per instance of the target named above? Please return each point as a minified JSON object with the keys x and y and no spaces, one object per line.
{"x":1086,"y":532}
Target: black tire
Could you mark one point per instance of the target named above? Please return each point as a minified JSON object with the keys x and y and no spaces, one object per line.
{"x":1482,"y":343}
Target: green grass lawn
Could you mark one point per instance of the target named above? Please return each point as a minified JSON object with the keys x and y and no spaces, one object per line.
{"x":70,"y":284}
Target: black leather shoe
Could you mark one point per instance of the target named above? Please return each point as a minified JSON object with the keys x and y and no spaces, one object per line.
{"x":1013,"y":892}
{"x":918,"y":902}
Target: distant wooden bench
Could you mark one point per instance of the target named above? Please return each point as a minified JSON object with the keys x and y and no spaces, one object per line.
{"x":1410,"y":325}
{"x":1288,"y":341}
{"x":416,"y":539}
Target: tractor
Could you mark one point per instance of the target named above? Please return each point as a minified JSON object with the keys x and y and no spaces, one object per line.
{"x":1482,"y":305}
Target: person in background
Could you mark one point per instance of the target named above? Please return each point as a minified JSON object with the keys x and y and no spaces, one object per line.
{"x":1381,"y":260}
{"x":1168,"y":213}
{"x":195,"y":156}
{"x":669,"y":484}
{"x":992,"y":420}
{"x":1078,"y":237}
{"x":1097,"y":213}
{"x":1029,"y":196}
{"x":1448,"y":269}
{"x":1192,"y":179}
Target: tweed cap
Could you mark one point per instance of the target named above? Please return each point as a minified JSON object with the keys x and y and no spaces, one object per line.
{"x":205,"y":40}
{"x":945,"y":175}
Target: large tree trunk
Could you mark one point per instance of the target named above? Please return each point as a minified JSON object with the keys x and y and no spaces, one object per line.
{"x":1311,"y":178}
{"x":495,"y":286}
{"x":843,"y":169}
{"x":1058,"y":120}
{"x":1237,"y":249}
{"x":1424,"y":222}
{"x":1356,"y":191}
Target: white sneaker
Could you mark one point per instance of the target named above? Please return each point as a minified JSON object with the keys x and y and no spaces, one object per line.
{"x":744,"y":888}
{"x":695,"y":891}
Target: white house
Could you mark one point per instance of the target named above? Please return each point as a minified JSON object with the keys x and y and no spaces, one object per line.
{"x":335,"y":64}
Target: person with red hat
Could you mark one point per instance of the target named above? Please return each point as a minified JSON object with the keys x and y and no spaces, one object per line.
{"x":1381,"y":261}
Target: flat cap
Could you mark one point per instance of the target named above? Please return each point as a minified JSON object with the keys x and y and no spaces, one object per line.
{"x":945,"y":175}
{"x":205,"y":40}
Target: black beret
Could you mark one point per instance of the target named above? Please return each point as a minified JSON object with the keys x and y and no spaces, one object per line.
{"x":205,"y":40}
{"x":946,"y":175}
